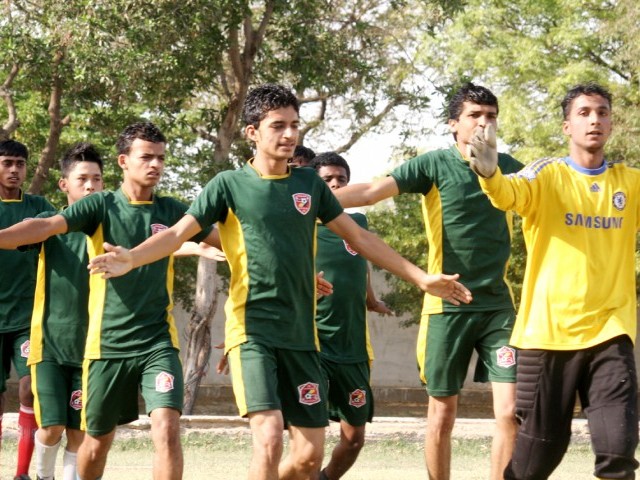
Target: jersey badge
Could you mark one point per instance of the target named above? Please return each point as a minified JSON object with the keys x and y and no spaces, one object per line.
{"x":25,"y":348}
{"x":164,"y":382}
{"x":595,"y":188}
{"x":302,"y":202}
{"x":506,"y":356}
{"x":157,"y":228}
{"x":349,"y":249}
{"x":75,"y":401}
{"x":619,"y":200}
{"x":309,"y":393}
{"x":358,"y":398}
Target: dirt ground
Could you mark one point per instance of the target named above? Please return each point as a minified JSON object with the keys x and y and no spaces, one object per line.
{"x":380,"y":428}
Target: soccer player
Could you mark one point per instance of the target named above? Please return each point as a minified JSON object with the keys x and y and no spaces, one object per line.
{"x":345,"y":350}
{"x":577,"y":319}
{"x":466,"y":234}
{"x":59,"y":322}
{"x":18,"y":280}
{"x":132,"y":340}
{"x":267,"y":215}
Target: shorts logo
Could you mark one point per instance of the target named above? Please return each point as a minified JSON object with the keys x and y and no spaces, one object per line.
{"x":619,"y":200}
{"x":164,"y":382}
{"x":349,"y":249}
{"x":25,"y":348}
{"x":302,"y":202}
{"x":76,"y":400}
{"x":506,"y":357}
{"x":309,"y":393}
{"x":157,"y":228}
{"x":358,"y":398}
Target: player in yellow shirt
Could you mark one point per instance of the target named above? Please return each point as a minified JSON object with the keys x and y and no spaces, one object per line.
{"x":577,"y":320}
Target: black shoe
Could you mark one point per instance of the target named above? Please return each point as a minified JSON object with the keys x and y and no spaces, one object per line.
{"x":24,"y":476}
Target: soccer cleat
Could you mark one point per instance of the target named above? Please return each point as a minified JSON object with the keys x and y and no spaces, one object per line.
{"x":23,"y":476}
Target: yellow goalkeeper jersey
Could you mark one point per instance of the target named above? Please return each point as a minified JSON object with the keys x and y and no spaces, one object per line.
{"x":580,"y":229}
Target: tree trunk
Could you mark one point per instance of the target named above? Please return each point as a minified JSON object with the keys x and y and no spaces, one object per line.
{"x":198,"y":332}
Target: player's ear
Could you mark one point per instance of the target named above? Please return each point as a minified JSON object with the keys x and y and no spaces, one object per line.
{"x":250,"y":131}
{"x":62,"y":185}
{"x":122,"y":161}
{"x":453,"y":125}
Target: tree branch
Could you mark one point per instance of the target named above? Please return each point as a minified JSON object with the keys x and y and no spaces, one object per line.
{"x":375,"y":121}
{"x":12,"y":123}
{"x":602,"y":62}
{"x":315,"y":122}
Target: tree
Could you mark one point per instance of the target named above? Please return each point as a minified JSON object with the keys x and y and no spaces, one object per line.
{"x":81,"y":70}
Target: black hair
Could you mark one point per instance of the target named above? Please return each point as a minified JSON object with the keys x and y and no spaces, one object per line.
{"x":589,"y":88}
{"x":265,"y":98}
{"x":303,"y":154}
{"x":141,"y":130}
{"x":79,"y":152}
{"x":330,"y":159}
{"x":470,"y":92}
{"x":12,"y":148}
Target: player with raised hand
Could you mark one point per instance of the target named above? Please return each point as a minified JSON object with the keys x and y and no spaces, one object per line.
{"x":577,"y":319}
{"x":267,"y":214}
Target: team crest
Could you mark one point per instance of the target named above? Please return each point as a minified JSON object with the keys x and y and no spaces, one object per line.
{"x":157,"y":228}
{"x":309,"y":393}
{"x":76,"y":400}
{"x":506,"y":357}
{"x":619,"y":200}
{"x":25,"y":348}
{"x":164,"y":382}
{"x":302,"y":202}
{"x":358,"y":398}
{"x":348,"y":248}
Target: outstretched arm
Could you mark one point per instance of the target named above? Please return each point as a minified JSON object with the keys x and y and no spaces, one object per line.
{"x":378,"y":252}
{"x":360,"y":194}
{"x":119,"y":260}
{"x":34,"y":230}
{"x":201,"y":249}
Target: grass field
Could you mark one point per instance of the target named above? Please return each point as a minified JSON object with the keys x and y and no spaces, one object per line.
{"x":226,"y":457}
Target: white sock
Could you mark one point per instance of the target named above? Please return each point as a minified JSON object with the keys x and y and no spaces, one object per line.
{"x":46,"y":459}
{"x":69,"y":463}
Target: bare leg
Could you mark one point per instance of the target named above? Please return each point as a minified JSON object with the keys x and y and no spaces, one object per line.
{"x":346,"y":451}
{"x":504,"y":408}
{"x":266,"y":430}
{"x":92,"y":455}
{"x":441,"y":417}
{"x":168,"y":462}
{"x":306,"y":450}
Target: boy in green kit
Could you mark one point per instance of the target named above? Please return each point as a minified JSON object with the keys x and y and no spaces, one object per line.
{"x":267,"y":214}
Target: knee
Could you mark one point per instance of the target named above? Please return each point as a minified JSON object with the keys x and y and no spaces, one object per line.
{"x":50,"y":435}
{"x":24,"y":391}
{"x":441,"y":419}
{"x":353,"y":442}
{"x":309,"y":459}
{"x":166,"y":435}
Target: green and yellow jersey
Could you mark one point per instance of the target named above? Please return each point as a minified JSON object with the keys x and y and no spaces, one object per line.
{"x":341,"y":317}
{"x":267,"y":225}
{"x":128,"y":315}
{"x":465,"y":233}
{"x":580,"y":227}
{"x":61,"y":306}
{"x":18,"y":278}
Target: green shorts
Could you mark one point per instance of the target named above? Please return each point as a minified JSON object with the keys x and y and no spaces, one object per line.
{"x":14,"y":347}
{"x":57,"y":392}
{"x":350,"y":396}
{"x":111,"y":388}
{"x":268,"y":378}
{"x":447,"y":340}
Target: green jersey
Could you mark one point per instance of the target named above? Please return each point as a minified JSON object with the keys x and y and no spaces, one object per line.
{"x":466,"y":234}
{"x":61,"y":307}
{"x":18,"y":278}
{"x":267,"y":225}
{"x":342,"y":316}
{"x":128,"y":315}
